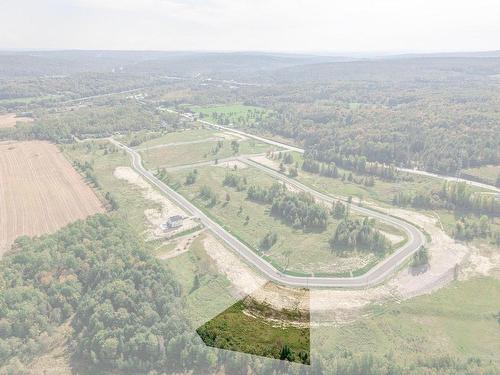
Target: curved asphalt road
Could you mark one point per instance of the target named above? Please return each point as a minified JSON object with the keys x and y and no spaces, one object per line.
{"x":374,"y":276}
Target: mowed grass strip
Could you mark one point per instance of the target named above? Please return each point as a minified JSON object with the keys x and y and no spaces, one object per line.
{"x":205,"y":290}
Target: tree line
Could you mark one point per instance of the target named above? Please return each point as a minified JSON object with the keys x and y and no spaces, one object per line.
{"x":452,"y":196}
{"x":123,"y":306}
{"x":297,"y":209}
{"x":358,"y":234}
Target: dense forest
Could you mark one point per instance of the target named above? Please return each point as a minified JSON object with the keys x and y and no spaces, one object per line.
{"x":97,"y":121}
{"x":297,"y":209}
{"x":358,"y":234}
{"x":123,"y":306}
{"x":436,"y":114}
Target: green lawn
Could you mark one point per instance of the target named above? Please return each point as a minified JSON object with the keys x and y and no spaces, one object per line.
{"x":295,"y":251}
{"x":459,"y":320}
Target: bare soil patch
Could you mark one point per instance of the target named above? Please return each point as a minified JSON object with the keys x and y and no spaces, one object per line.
{"x":238,"y":273}
{"x":9,"y":120}
{"x":40,"y":192}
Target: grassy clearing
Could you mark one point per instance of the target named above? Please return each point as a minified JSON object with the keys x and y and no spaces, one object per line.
{"x":129,"y":197}
{"x":180,"y":136}
{"x":205,"y":291}
{"x":192,"y":153}
{"x":29,"y":100}
{"x":382,"y":192}
{"x":295,"y":251}
{"x":460,"y":320}
{"x":235,"y":330}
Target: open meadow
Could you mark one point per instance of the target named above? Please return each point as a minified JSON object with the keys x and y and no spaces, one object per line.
{"x":214,"y":148}
{"x":40,"y":191}
{"x":295,"y":251}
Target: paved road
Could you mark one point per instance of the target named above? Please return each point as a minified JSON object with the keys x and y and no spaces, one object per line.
{"x":372,"y":277}
{"x":100,"y":96}
{"x":454,"y":179}
{"x":298,"y":149}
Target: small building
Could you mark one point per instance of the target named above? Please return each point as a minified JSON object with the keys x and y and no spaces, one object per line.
{"x":174,"y":221}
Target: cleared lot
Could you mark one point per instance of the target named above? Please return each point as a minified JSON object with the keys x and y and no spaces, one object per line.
{"x":40,"y":191}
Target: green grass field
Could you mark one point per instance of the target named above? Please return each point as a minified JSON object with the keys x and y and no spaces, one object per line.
{"x":295,"y":251}
{"x":191,"y":153}
{"x":460,"y":321}
{"x":236,"y":114}
{"x":382,"y":192}
{"x":237,"y":331}
{"x":487,"y":172}
{"x":205,"y":291}
{"x":129,"y":197}
{"x":180,"y":136}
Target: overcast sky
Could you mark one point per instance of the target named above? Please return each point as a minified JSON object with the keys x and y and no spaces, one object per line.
{"x":265,"y":25}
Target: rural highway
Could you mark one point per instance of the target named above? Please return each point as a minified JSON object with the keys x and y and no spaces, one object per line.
{"x":374,"y":276}
{"x":300,"y":150}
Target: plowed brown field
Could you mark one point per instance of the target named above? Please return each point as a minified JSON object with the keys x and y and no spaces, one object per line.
{"x":40,"y":191}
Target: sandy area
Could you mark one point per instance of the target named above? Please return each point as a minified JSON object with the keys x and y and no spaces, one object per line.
{"x":238,"y":273}
{"x":154,"y":216}
{"x":9,"y":120}
{"x":283,"y":298}
{"x":40,"y":191}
